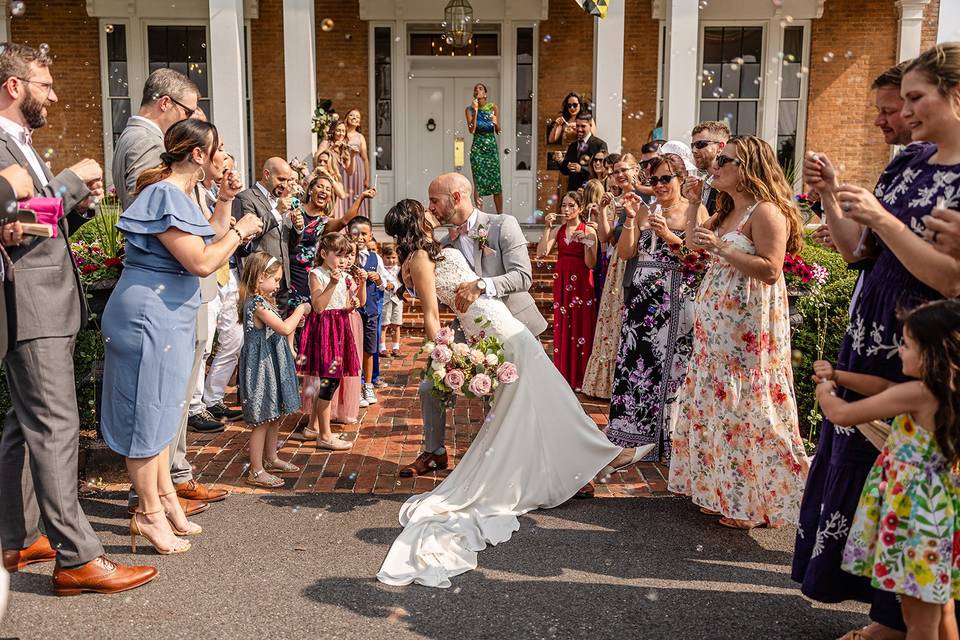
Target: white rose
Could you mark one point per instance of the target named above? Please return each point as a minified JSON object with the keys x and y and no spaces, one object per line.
{"x":476,"y":356}
{"x":429,"y":347}
{"x":436,"y":365}
{"x":460,"y":349}
{"x":492,"y":359}
{"x":439,"y":374}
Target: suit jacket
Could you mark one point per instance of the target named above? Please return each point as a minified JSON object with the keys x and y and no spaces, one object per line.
{"x":275,"y":239}
{"x":49,"y":296}
{"x":578,"y":179}
{"x":138,"y":148}
{"x":508,"y":267}
{"x":8,"y":302}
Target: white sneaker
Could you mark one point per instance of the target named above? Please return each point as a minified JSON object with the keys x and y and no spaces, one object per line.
{"x":369,"y":394}
{"x":363,"y":401}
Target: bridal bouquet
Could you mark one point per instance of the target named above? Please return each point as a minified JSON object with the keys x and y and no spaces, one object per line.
{"x":473,"y":370}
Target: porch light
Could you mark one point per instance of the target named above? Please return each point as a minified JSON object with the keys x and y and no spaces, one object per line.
{"x":458,"y":15}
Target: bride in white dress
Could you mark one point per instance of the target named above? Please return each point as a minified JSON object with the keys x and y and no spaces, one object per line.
{"x":536,"y":448}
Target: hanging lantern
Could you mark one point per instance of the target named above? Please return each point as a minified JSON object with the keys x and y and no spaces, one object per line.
{"x":458,"y":15}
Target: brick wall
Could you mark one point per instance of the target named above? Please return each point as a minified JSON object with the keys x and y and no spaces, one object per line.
{"x":342,"y":59}
{"x":75,"y":124}
{"x":931,"y":21}
{"x":269,"y":96}
{"x":840,"y":107}
{"x":565,"y":65}
{"x":639,"y":74}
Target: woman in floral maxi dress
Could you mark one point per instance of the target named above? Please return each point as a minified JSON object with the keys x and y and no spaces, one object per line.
{"x":737,"y":449}
{"x":908,"y":272}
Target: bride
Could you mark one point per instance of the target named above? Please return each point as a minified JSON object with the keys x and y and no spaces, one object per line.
{"x":536,"y":447}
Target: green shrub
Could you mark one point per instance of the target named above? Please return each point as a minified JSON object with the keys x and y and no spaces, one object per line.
{"x":825,"y":317}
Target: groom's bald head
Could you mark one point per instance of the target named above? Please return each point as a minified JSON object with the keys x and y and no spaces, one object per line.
{"x":451,"y":198}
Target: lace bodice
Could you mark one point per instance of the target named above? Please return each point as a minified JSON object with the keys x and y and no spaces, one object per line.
{"x":341,"y":295}
{"x":489,"y":315}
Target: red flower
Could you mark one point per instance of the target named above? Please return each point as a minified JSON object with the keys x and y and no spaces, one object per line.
{"x":112,"y":262}
{"x":89,"y":268}
{"x":890,"y":521}
{"x":880,"y":570}
{"x":889,"y":583}
{"x":888,"y":538}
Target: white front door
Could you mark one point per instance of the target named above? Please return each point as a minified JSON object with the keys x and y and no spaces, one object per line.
{"x":435,"y":120}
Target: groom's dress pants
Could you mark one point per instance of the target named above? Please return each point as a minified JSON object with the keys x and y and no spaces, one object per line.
{"x":434,"y":415}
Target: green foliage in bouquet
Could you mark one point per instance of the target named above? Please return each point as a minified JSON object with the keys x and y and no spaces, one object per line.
{"x":98,"y":245}
{"x":323,"y":115}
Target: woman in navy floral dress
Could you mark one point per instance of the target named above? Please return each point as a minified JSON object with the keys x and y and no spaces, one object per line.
{"x":908,"y":272}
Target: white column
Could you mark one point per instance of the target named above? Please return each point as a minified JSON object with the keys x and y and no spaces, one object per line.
{"x":227,"y":79}
{"x":300,"y":77}
{"x":608,"y":75}
{"x":681,"y":86}
{"x":948,"y":29}
{"x":4,"y":21}
{"x":910,"y":27}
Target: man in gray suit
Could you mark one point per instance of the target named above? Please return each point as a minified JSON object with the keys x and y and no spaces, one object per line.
{"x":503,"y":264}
{"x":38,"y":449}
{"x":168,"y":97}
{"x":267,"y":199}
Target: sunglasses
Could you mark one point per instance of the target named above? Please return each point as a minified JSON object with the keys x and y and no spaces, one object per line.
{"x":664,"y":180}
{"x":724,"y":160}
{"x":703,"y":144}
{"x":600,"y":160}
{"x":187,"y":110}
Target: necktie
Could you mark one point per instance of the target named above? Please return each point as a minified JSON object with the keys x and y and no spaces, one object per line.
{"x":582,"y":147}
{"x":457,"y":231}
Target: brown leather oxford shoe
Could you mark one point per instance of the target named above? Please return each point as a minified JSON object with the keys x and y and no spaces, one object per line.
{"x":100,"y":575}
{"x":193,"y":490}
{"x":190,"y":507}
{"x":39,"y":551}
{"x":426,"y":462}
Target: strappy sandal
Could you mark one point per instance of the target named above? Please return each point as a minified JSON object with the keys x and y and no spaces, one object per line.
{"x":181,"y":545}
{"x":193,"y":529}
{"x":743,"y":525}
{"x":280,"y":466}
{"x":263,"y":479}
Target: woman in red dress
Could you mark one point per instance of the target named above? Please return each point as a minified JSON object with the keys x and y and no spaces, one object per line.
{"x":574,"y":311}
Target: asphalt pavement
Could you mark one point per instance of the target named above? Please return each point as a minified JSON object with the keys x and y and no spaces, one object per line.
{"x":269,"y":567}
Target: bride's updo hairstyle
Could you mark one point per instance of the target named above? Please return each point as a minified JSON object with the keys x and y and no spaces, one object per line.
{"x":408,"y":227}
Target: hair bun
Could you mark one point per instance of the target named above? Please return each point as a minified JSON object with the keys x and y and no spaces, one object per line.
{"x":167,"y":158}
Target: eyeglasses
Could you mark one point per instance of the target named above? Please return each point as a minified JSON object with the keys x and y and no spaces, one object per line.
{"x":187,"y":110}
{"x":664,"y":180}
{"x":47,"y":85}
{"x":723,"y":160}
{"x":703,"y":144}
{"x":595,"y":159}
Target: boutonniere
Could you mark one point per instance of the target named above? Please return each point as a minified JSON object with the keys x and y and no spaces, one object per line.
{"x":481,"y":236}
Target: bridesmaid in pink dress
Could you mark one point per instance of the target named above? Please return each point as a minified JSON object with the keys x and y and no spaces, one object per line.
{"x":356,"y":179}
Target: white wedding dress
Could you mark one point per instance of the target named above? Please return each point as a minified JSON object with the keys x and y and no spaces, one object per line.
{"x":536,"y":449}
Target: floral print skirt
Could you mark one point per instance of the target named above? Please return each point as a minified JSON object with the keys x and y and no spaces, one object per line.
{"x":906,"y":532}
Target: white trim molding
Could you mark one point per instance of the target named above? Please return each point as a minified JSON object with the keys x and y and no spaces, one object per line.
{"x":196,"y":9}
{"x":909,"y":28}
{"x":681,"y":88}
{"x":608,"y":40}
{"x":750,"y":10}
{"x":300,"y":77}
{"x":227,"y":64}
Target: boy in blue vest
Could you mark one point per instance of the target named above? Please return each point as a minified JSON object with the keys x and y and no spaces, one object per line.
{"x":361,"y":230}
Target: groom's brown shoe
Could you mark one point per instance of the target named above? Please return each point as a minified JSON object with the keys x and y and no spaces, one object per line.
{"x":39,"y":551}
{"x":100,"y":575}
{"x":426,"y":463}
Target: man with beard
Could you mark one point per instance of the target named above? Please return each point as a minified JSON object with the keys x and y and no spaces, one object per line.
{"x":707,"y":142}
{"x":282,"y":225}
{"x":168,"y":97}
{"x":38,"y":449}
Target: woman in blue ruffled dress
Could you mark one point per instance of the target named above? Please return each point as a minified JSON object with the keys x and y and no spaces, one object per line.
{"x":150,"y":321}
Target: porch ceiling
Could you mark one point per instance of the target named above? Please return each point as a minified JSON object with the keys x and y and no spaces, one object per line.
{"x":154,"y":9}
{"x":432,"y":10}
{"x":749,"y":9}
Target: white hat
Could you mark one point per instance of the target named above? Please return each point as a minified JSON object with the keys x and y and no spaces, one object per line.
{"x":681,"y":149}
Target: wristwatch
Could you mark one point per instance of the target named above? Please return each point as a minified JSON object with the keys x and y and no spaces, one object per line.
{"x":482,"y":285}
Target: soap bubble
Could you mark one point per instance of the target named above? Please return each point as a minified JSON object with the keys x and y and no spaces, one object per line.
{"x":828,"y":56}
{"x":108,"y":28}
{"x":547,"y":38}
{"x":17,"y":8}
{"x":43,"y":48}
{"x":326,"y":24}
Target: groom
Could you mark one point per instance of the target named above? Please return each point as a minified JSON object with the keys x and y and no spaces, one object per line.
{"x":496,"y":249}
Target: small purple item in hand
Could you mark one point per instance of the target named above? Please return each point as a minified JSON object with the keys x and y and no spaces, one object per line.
{"x":48,"y":210}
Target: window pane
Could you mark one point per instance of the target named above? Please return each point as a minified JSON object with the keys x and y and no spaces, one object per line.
{"x":117,"y":78}
{"x":787,"y":118}
{"x":793,"y":43}
{"x":732,"y":43}
{"x":752,"y":47}
{"x":119,"y":114}
{"x":382,"y":43}
{"x":790,"y":83}
{"x":712,"y":45}
{"x":727,"y":112}
{"x":746,"y":118}
{"x":117,"y":42}
{"x":730,"y":82}
{"x":384,"y":126}
{"x":710,"y":86}
{"x":385,"y":153}
{"x":708,"y":111}
{"x":786,"y":150}
{"x":524,"y":81}
{"x":524,"y":102}
{"x":750,"y":80}
{"x":484,"y":43}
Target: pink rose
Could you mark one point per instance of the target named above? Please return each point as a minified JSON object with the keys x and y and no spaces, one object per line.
{"x":444,"y":336}
{"x":507,"y":373}
{"x":442,"y":353}
{"x":481,"y":385}
{"x":454,"y":379}
{"x":476,"y":356}
{"x":482,"y":233}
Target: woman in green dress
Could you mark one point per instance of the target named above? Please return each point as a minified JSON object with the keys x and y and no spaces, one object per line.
{"x":483,"y":121}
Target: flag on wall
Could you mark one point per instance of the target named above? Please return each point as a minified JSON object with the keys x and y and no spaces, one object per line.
{"x":594,"y":7}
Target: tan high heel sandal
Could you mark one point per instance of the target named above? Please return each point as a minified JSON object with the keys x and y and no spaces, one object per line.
{"x":193,"y":529}
{"x":135,"y":531}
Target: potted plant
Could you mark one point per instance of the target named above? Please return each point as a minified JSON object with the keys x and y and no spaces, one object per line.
{"x":97,"y":249}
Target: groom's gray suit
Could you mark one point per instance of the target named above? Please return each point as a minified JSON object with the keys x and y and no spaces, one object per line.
{"x":508,"y":269}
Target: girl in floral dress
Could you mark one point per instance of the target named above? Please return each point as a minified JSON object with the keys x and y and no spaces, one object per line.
{"x":905,"y":534}
{"x":736,"y":440}
{"x":574,"y":311}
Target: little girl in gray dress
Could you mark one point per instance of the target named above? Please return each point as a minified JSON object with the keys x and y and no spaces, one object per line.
{"x":267,"y":375}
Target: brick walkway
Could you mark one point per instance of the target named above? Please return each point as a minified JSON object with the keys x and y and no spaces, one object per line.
{"x":388,"y":437}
